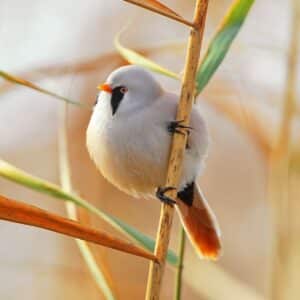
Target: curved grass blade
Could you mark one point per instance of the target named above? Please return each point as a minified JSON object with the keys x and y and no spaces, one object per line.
{"x":33,"y":86}
{"x":135,"y":58}
{"x":221,"y":42}
{"x":18,"y":176}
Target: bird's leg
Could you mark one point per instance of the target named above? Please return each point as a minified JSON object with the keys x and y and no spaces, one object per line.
{"x":160,"y":194}
{"x":177,"y":127}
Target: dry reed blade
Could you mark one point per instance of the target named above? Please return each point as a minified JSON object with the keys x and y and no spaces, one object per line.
{"x":158,"y":7}
{"x":18,"y":176}
{"x":14,"y":211}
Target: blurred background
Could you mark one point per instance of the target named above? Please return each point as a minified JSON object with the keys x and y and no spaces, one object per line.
{"x":67,"y":47}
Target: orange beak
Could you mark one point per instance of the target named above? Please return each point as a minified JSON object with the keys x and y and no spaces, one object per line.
{"x":105,"y":87}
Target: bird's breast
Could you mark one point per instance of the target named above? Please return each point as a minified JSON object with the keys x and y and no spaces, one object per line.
{"x":131,"y":154}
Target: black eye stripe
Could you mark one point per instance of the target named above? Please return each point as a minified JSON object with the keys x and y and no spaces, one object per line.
{"x":116,"y":97}
{"x":96,"y":101}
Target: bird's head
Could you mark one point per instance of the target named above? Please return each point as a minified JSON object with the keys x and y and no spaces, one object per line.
{"x":129,"y":89}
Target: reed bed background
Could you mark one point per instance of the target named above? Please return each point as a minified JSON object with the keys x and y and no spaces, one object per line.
{"x":252,"y":174}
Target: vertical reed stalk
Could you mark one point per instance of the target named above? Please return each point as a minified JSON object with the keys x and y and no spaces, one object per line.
{"x":282,"y":198}
{"x":187,"y":96}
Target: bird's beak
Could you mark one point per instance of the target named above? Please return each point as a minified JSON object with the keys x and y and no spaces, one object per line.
{"x":105,"y":87}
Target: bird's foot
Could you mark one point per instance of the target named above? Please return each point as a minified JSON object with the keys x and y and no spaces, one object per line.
{"x":160,"y":194}
{"x":177,"y":127}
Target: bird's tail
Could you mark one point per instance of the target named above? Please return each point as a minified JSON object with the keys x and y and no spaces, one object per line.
{"x":199,"y":222}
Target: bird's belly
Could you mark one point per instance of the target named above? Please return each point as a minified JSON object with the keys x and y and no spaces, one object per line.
{"x":135,"y":168}
{"x":134,"y":157}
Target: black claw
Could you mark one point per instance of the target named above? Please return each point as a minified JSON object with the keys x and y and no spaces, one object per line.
{"x":160,"y":194}
{"x":177,"y":127}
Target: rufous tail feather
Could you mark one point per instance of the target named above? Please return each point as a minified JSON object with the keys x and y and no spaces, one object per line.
{"x":199,"y":222}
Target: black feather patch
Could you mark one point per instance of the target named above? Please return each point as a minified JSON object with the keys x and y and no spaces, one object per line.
{"x":187,"y":194}
{"x":96,"y":101}
{"x":116,"y":98}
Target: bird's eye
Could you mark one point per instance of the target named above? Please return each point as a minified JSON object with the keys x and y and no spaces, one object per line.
{"x":123,"y":89}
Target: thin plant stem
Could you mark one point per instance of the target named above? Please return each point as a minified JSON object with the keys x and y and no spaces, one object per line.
{"x":178,"y":279}
{"x":184,"y":109}
{"x":280,"y":176}
{"x":26,"y":83}
{"x":102,"y":280}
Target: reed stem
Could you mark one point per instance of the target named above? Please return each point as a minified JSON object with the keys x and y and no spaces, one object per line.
{"x":187,"y":96}
{"x":284,"y":208}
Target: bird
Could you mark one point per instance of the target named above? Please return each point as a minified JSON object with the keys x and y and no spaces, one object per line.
{"x":128,"y":138}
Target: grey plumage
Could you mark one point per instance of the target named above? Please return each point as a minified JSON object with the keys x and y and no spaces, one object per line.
{"x":130,"y":143}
